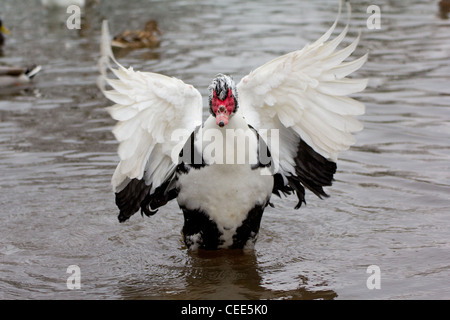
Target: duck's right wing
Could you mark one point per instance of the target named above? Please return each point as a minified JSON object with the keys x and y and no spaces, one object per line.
{"x":303,"y":96}
{"x":149,"y":108}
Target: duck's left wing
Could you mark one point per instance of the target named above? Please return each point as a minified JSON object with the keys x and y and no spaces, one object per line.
{"x":304,"y":96}
{"x":149,"y":108}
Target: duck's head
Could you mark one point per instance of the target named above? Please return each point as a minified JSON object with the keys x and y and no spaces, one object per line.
{"x":223,"y":102}
{"x":152,"y":26}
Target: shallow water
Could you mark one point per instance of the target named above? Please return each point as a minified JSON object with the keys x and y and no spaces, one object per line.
{"x":389,"y":205}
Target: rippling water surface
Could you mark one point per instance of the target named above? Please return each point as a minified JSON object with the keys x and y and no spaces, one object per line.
{"x":389,"y":205}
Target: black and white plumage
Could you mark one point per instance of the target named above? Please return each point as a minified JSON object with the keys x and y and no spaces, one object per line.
{"x":278,"y":131}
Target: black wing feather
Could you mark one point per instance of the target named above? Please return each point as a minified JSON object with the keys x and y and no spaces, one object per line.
{"x":312,"y":170}
{"x":136,"y":195}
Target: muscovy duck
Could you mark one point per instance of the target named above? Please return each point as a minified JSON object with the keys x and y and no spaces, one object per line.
{"x":278,"y":131}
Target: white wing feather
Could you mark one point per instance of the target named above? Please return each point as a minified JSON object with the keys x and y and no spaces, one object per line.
{"x":149,"y":107}
{"x":304,"y":94}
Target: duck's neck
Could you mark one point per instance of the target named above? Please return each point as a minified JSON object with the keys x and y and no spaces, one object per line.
{"x":234,"y":143}
{"x":236,"y":121}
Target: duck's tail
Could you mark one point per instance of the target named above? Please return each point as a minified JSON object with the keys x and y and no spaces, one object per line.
{"x":32,"y":71}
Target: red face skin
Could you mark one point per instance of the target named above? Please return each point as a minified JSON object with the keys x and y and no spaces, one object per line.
{"x":223,"y":108}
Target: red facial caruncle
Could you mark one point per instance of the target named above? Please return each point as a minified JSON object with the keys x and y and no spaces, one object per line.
{"x":223,"y":108}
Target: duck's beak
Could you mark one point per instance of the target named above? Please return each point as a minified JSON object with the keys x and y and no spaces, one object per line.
{"x":4,"y":30}
{"x":222,"y":116}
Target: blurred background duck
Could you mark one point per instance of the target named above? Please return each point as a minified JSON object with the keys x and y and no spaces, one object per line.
{"x":15,"y":76}
{"x":444,"y":8}
{"x":3,"y":31}
{"x":134,"y":39}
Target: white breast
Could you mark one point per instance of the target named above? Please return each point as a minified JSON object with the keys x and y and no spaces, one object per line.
{"x":226,"y":189}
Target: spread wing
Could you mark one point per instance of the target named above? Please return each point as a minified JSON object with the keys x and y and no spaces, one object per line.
{"x":148,"y":107}
{"x":304,"y":96}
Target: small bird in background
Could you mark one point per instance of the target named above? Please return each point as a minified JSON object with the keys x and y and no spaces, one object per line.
{"x":15,"y":76}
{"x":444,"y":8}
{"x":3,"y":30}
{"x":135,"y":39}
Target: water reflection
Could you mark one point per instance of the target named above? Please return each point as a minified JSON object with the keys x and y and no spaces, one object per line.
{"x":144,"y":54}
{"x":217,"y":275}
{"x":236,"y":274}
